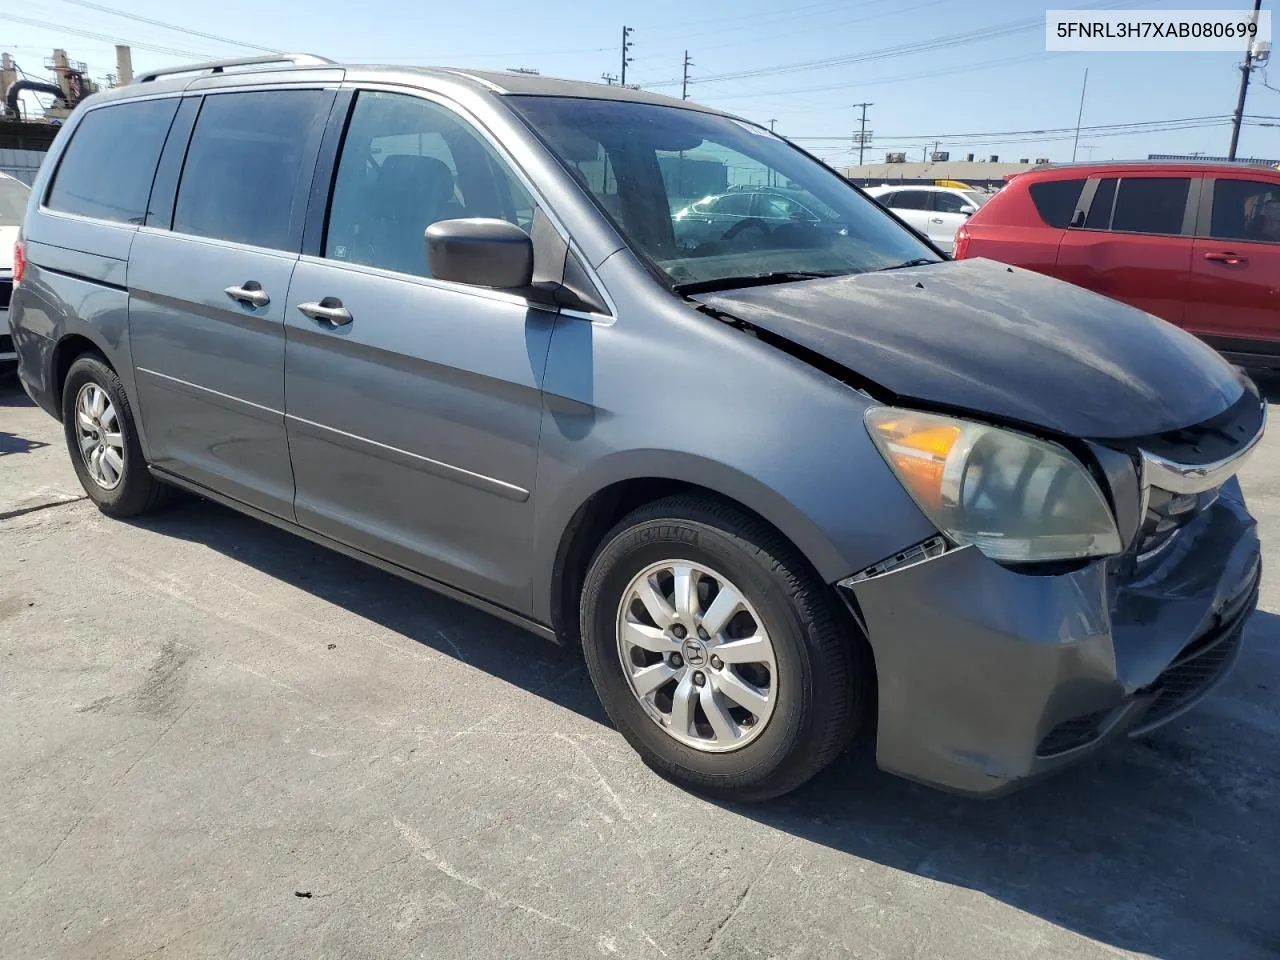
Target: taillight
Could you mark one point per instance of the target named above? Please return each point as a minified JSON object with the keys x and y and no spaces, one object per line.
{"x":962,"y":242}
{"x":19,"y":261}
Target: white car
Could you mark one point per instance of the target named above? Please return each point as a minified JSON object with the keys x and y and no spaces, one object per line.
{"x":937,"y":212}
{"x":13,"y":205}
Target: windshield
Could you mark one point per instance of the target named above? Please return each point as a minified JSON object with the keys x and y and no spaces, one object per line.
{"x":709,"y":200}
{"x":13,"y":202}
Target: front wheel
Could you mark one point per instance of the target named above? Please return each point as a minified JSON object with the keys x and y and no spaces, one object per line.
{"x":717,"y":652}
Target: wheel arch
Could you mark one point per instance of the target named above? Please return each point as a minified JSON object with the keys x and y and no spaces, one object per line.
{"x":577,"y":522}
{"x":69,"y":348}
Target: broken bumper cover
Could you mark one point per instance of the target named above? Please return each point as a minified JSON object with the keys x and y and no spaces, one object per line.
{"x":989,"y":678}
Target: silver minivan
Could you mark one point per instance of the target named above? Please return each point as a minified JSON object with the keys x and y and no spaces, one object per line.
{"x":798,"y":478}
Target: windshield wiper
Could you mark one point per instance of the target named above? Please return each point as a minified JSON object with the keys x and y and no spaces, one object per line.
{"x":750,"y":280}
{"x":918,"y":262}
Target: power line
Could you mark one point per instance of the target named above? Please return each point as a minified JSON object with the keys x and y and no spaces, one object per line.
{"x":102,"y":8}
{"x":997,"y":31}
{"x":927,"y":137}
{"x":89,"y":34}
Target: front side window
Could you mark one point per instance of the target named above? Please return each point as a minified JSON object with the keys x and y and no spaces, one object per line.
{"x":13,"y":202}
{"x":107,"y":168}
{"x":648,"y":165}
{"x":733,"y":205}
{"x":245,"y":164}
{"x":1246,"y":210}
{"x":784,"y":208}
{"x":949,"y":202}
{"x":407,"y":163}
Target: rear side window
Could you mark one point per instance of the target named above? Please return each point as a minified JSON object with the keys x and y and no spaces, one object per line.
{"x":107,"y":169}
{"x":244,"y":166}
{"x":1246,"y":210}
{"x":949,"y":202}
{"x":911,"y":200}
{"x":1056,"y":200}
{"x":1151,"y":205}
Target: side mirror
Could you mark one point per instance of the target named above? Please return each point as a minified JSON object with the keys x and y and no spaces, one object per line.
{"x":968,"y":210}
{"x":480,"y":252}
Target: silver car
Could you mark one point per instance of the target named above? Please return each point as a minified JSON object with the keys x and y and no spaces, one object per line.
{"x":780,"y":488}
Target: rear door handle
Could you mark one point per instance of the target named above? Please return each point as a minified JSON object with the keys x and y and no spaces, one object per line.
{"x":937,"y":220}
{"x":329,"y":310}
{"x":1230,"y":258}
{"x":250,"y":292}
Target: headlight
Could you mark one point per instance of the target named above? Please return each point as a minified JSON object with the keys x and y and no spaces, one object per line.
{"x":1012,"y":496}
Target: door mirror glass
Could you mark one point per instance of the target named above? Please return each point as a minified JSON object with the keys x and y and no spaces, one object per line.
{"x":480,"y":251}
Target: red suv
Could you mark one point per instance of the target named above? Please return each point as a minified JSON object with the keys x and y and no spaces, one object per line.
{"x":1195,"y":243}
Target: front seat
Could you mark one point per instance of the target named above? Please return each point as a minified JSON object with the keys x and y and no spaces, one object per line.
{"x":413,"y":193}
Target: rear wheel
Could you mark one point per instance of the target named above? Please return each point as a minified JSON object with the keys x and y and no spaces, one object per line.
{"x":103,"y":441}
{"x":717,"y":652}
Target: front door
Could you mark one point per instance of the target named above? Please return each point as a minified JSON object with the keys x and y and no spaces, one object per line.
{"x":207,"y":297}
{"x":414,"y":404}
{"x":1235,"y":266}
{"x":945,"y":218}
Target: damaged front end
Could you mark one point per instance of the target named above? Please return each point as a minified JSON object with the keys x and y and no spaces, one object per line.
{"x":993,"y":672}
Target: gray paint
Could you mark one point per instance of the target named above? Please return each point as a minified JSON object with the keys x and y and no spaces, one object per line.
{"x":450,"y":434}
{"x":970,"y":685}
{"x":210,"y":384}
{"x":436,"y":390}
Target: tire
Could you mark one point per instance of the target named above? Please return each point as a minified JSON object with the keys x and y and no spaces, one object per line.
{"x":134,"y":491}
{"x":819,"y":681}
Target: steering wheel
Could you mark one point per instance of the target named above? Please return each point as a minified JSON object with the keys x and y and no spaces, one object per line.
{"x":745,"y":224}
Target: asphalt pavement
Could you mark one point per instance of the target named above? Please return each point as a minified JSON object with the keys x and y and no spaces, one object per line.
{"x":217,"y":740}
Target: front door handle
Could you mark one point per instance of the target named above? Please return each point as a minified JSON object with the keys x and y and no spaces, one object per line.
{"x":1226,"y":257}
{"x":250,"y":292}
{"x":937,"y":219}
{"x":329,"y":310}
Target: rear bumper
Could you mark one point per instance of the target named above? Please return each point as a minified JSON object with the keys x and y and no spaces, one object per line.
{"x":989,"y":679}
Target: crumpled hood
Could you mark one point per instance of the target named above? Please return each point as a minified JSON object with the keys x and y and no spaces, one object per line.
{"x":978,"y":336}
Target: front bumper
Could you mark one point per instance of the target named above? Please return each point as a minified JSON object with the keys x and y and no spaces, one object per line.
{"x":990,"y":678}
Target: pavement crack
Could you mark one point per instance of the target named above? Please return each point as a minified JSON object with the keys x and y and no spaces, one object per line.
{"x":733,"y":912}
{"x":23,"y":511}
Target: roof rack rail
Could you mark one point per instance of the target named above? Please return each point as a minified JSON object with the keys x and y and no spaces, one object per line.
{"x":218,"y":66}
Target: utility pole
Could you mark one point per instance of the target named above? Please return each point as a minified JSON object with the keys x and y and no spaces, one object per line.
{"x":609,"y":78}
{"x":862,"y":133}
{"x":1080,"y":116}
{"x":771,"y":123}
{"x":1246,"y":68}
{"x":684,"y":84}
{"x":626,"y":55}
{"x":936,"y":145}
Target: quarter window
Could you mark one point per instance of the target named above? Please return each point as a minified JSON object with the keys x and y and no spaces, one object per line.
{"x":1056,"y":200}
{"x":1246,"y":210}
{"x":245,"y":166}
{"x":111,"y":160}
{"x":407,"y":163}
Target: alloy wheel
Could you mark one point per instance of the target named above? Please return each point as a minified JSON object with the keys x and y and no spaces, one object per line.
{"x":98,"y":434}
{"x":697,"y":655}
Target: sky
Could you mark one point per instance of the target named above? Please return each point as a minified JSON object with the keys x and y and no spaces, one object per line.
{"x":983,"y":82}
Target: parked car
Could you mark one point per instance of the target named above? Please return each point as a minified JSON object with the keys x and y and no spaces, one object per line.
{"x":1197,"y":244}
{"x":937,"y":212}
{"x":763,"y":209}
{"x":780,"y":488}
{"x":13,"y":204}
